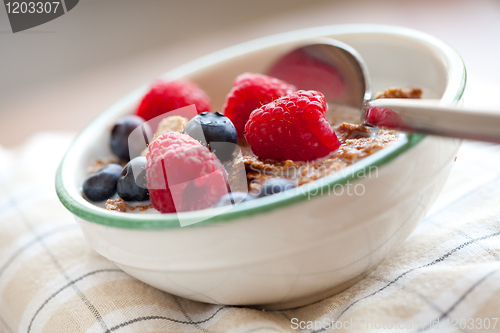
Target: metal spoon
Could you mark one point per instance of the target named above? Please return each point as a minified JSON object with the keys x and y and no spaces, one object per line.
{"x":328,"y":66}
{"x":341,"y":74}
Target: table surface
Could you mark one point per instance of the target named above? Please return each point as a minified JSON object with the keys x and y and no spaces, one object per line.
{"x":61,"y":75}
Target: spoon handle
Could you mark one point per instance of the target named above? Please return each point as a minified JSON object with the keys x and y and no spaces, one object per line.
{"x":429,"y":117}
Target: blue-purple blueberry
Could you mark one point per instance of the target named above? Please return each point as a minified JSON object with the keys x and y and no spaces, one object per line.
{"x":101,"y":185}
{"x":131,"y":187}
{"x":233,"y":198}
{"x":119,"y":138}
{"x":275,"y":185}
{"x":215,"y":131}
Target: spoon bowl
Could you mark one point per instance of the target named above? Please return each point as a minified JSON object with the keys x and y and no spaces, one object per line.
{"x":329,"y":66}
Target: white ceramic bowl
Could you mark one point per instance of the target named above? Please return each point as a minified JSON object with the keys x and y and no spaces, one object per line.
{"x":292,"y":248}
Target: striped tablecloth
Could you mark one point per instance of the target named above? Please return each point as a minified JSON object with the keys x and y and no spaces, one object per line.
{"x":444,"y":278}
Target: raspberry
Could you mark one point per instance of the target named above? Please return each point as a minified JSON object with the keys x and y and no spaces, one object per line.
{"x":377,"y":116}
{"x":165,"y":96}
{"x":251,"y":91}
{"x":292,"y":127}
{"x":182,"y":174}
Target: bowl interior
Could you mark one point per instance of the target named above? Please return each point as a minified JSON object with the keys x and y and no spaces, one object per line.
{"x":393,"y":60}
{"x":395,"y":57}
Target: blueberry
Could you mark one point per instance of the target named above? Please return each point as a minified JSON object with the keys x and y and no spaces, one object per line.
{"x":217,"y":131}
{"x":275,"y":185}
{"x":233,"y":198}
{"x":101,"y":185}
{"x":131,"y":188}
{"x":119,"y":140}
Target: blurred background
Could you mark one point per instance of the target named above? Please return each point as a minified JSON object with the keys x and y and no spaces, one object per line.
{"x":62,"y":74}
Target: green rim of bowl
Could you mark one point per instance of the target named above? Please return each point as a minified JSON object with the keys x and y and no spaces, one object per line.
{"x":327,"y":184}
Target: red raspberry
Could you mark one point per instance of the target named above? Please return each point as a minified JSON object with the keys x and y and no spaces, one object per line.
{"x":377,"y":116}
{"x":251,"y":91}
{"x":182,"y":174}
{"x":292,"y":127}
{"x":165,"y":96}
